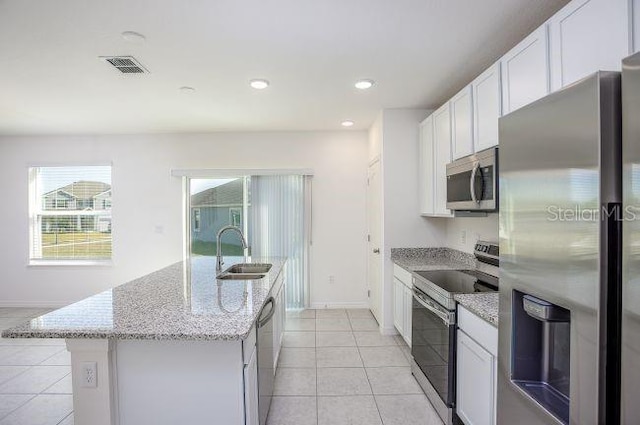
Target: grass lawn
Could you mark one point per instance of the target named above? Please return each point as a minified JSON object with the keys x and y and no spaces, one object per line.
{"x":209,"y":248}
{"x":76,"y":245}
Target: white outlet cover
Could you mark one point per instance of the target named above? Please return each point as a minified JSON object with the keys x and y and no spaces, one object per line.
{"x":89,"y":374}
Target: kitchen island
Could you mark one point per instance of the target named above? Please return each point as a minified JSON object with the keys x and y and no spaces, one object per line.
{"x":174,"y":346}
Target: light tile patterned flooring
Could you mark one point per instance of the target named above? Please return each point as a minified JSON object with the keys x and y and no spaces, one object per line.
{"x":35,"y":376}
{"x":335,"y":368}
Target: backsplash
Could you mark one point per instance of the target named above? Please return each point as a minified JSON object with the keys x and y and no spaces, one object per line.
{"x":464,"y":232}
{"x":418,"y":256}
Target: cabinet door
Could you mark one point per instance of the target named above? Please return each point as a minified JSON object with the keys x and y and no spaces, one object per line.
{"x":587,"y":36}
{"x":525,"y":71}
{"x":251,"y":391}
{"x":425,"y":167}
{"x":442,"y":156}
{"x":475,"y":384}
{"x":462,"y":124}
{"x":398,"y":306}
{"x":278,"y":325}
{"x":407,"y":299}
{"x":486,"y":108}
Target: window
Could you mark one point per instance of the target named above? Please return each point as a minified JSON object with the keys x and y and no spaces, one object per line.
{"x":196,"y":219}
{"x":235,"y":217}
{"x":70,"y":213}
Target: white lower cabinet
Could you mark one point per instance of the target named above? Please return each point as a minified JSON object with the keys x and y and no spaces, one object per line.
{"x":251,"y":390}
{"x":279,"y":318}
{"x":398,"y":305}
{"x":402,"y":302}
{"x":476,"y":369}
{"x":407,"y":303}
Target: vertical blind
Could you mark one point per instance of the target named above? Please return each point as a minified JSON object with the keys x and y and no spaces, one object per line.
{"x":279,"y":214}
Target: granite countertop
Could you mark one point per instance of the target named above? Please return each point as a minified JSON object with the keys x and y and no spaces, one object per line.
{"x":484,"y":305}
{"x":183,"y":301}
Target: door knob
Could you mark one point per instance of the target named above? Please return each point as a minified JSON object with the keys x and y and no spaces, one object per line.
{"x":376,"y":250}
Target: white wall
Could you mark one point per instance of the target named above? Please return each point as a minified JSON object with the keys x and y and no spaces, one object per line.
{"x":475,"y":228}
{"x":395,"y":133}
{"x":147,"y":205}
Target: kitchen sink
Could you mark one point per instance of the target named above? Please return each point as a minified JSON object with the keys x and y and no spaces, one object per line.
{"x":249,"y":268}
{"x":240,"y":276}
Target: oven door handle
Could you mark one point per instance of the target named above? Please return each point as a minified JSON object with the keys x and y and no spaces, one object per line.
{"x":446,"y":317}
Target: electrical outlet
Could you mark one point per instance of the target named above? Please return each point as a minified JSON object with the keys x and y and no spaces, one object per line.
{"x":332,"y":279}
{"x":463,"y":237}
{"x":89,"y":374}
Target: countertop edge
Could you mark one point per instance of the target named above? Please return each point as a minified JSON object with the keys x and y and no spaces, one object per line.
{"x":484,"y":305}
{"x":241,"y":332}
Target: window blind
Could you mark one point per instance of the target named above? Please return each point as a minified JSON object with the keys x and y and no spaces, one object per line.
{"x":70,"y":212}
{"x":279,"y":223}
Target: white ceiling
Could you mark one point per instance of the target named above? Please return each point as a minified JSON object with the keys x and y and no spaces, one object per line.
{"x":419,"y":52}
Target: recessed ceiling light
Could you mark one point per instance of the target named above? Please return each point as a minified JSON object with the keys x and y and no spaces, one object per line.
{"x":133,"y":37}
{"x":259,"y":84}
{"x":364,"y":84}
{"x":347,"y":123}
{"x":186,"y":89}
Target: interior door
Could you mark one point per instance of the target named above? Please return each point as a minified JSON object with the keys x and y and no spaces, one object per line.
{"x":374,"y":224}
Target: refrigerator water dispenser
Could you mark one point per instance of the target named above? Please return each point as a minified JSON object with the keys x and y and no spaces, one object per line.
{"x":541,"y":352}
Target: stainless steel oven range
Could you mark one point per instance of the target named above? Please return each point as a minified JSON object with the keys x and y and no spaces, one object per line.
{"x":433,"y":330}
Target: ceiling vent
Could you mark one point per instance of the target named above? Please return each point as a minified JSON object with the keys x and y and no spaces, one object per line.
{"x":125,"y":64}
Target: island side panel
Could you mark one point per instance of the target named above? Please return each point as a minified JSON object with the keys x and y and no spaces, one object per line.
{"x":96,"y":405}
{"x":172,"y":382}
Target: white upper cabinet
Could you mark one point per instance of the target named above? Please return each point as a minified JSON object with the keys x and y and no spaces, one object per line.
{"x":425,"y":169}
{"x":462,"y":124}
{"x":525,"y":71}
{"x":486,"y":108}
{"x":587,"y":36}
{"x":442,"y":156}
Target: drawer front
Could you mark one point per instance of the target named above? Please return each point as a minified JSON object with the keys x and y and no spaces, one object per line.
{"x":402,"y":275}
{"x":481,"y":331}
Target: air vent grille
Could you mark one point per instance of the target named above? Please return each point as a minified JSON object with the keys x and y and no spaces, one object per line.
{"x":125,"y":64}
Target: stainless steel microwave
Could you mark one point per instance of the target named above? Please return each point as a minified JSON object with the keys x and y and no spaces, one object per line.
{"x":472,"y":182}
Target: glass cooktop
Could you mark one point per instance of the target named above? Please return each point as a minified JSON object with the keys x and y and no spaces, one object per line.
{"x":460,"y":281}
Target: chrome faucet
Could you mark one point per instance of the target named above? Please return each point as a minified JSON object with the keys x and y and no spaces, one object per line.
{"x":219,"y":261}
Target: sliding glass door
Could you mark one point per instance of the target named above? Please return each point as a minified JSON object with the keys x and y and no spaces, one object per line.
{"x":214,"y":204}
{"x":280,"y":222}
{"x":273,"y":212}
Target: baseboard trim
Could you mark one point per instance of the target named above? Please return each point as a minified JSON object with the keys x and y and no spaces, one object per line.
{"x":389,"y":331}
{"x":323,"y":305}
{"x":34,"y":304}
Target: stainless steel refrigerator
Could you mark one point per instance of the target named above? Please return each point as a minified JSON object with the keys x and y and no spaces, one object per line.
{"x":631,"y":240}
{"x":561,"y":232}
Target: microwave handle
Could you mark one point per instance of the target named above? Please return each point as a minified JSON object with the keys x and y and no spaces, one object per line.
{"x":472,"y":182}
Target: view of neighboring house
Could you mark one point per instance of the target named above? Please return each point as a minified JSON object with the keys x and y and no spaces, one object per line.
{"x":78,"y":196}
{"x":214,"y":208}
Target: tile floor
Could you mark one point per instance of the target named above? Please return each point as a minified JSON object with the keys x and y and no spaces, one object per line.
{"x":335,"y":368}
{"x":35,"y":376}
